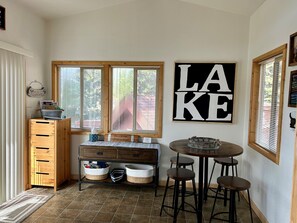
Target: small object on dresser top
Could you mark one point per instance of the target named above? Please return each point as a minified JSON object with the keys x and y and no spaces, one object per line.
{"x":93,"y":137}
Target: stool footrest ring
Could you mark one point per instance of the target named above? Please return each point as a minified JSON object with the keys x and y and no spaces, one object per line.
{"x":221,"y":219}
{"x":180,"y":208}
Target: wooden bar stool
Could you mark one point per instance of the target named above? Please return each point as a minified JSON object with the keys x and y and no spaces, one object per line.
{"x":225,"y":164}
{"x":182,"y":162}
{"x":233,"y":184}
{"x":179,"y":175}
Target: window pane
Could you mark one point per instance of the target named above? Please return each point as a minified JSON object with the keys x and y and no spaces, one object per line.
{"x":70,"y":94}
{"x":92,"y":98}
{"x":146,"y":99}
{"x":122,"y":99}
{"x":269,"y":99}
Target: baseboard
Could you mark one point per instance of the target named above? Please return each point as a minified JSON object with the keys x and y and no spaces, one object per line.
{"x":255,"y":208}
{"x":74,"y":176}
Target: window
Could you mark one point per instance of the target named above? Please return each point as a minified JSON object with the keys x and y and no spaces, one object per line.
{"x":267,"y":103}
{"x":133,"y":99}
{"x":121,"y":97}
{"x":81,"y":86}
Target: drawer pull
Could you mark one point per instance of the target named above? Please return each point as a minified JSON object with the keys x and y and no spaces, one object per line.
{"x":42,"y":135}
{"x":42,"y":173}
{"x":42,"y":122}
{"x":136,"y":155}
{"x":41,"y":147}
{"x":99,"y":153}
{"x":45,"y":161}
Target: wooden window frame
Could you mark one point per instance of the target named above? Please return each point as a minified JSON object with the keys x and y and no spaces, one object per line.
{"x":106,"y":92}
{"x":254,"y":106}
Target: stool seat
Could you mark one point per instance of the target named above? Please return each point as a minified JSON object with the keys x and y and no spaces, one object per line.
{"x":183,"y":161}
{"x":226,"y":161}
{"x":234,"y":183}
{"x":180,"y":174}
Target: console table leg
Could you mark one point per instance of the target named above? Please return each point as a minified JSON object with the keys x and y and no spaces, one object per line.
{"x":79,"y":174}
{"x":156,"y":180}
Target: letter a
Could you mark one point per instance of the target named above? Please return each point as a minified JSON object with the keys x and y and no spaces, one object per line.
{"x":221,"y":81}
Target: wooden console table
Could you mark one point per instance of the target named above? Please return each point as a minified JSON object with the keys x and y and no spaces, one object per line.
{"x":119,"y":152}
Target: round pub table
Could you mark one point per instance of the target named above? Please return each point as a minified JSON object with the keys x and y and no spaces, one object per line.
{"x":226,"y":149}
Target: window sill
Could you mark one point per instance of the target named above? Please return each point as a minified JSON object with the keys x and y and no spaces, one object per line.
{"x":272,"y":156}
{"x":86,"y":132}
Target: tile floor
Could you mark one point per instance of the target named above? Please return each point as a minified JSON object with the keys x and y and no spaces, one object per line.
{"x":117,"y":204}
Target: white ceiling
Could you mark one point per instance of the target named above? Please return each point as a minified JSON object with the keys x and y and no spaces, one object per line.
{"x":52,"y":9}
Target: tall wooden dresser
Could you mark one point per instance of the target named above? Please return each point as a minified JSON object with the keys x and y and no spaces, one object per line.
{"x":49,"y":143}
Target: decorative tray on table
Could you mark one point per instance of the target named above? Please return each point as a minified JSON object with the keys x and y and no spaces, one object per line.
{"x":204,"y":143}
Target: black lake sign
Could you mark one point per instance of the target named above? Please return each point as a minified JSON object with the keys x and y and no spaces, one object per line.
{"x":204,"y":92}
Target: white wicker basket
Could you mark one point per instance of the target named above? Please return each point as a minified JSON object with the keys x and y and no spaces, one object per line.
{"x":141,"y":174}
{"x":96,"y":174}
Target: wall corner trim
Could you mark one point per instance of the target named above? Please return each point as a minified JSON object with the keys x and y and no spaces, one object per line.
{"x":15,"y":49}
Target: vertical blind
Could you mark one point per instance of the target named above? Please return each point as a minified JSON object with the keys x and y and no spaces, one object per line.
{"x":269,"y":99}
{"x":12,"y":116}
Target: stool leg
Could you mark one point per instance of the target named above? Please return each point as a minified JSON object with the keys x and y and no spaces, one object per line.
{"x":165,"y":192}
{"x":173,"y":197}
{"x":222,"y":170}
{"x":205,"y":187}
{"x":236,"y":172}
{"x":213,"y":167}
{"x":227,"y":170}
{"x":225,"y":191}
{"x":235,"y":212}
{"x":251,"y":213}
{"x":176,"y":189}
{"x":214,"y":204}
{"x":195,"y":198}
{"x":183,"y":192}
{"x":222,"y":173}
{"x":232,"y":206}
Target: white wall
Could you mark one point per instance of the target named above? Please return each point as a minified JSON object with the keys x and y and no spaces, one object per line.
{"x":159,"y":30}
{"x":271,"y":27}
{"x":27,"y":31}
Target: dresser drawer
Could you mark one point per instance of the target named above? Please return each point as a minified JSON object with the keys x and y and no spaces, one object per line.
{"x":43,"y":179}
{"x":42,"y":127}
{"x":41,"y":153}
{"x":42,"y":140}
{"x":97,"y":153}
{"x":43,"y":166}
{"x":141,"y":155}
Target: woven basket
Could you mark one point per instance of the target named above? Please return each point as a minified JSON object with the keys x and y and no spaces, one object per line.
{"x":139,"y":174}
{"x":96,"y":174}
{"x":139,"y":180}
{"x":96,"y":177}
